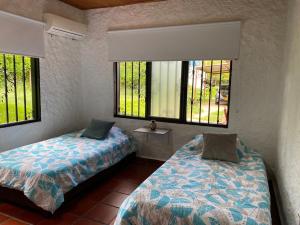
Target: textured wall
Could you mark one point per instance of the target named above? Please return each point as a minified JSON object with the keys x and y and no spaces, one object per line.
{"x":288,"y":155}
{"x":60,"y":78}
{"x":256,"y":85}
{"x":77,"y":79}
{"x":35,"y":9}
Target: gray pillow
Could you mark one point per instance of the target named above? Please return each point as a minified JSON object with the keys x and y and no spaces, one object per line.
{"x":220,"y":147}
{"x":97,"y":129}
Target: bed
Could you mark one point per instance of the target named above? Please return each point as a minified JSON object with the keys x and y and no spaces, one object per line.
{"x":47,"y":171}
{"x":190,"y":190}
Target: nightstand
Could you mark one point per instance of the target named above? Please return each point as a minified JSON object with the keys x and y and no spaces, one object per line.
{"x":159,"y":131}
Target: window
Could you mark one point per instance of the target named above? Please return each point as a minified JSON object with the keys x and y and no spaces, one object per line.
{"x":208,"y":91}
{"x":165,"y":89}
{"x":19,"y":90}
{"x":192,"y":92}
{"x":131,"y":88}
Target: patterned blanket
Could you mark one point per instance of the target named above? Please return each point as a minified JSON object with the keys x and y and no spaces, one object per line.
{"x":46,"y":170}
{"x":190,"y":190}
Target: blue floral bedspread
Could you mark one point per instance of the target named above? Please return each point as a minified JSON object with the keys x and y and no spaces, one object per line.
{"x":46,"y":170}
{"x":190,"y":190}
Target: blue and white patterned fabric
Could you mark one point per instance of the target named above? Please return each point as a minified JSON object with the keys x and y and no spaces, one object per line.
{"x":46,"y":170}
{"x":190,"y":190}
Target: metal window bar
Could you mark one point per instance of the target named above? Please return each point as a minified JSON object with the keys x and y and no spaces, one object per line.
{"x":210,"y":79}
{"x":118,"y":88}
{"x":148,"y":89}
{"x":184,"y":90}
{"x":125,"y":66}
{"x":24,"y":87}
{"x":139,"y":89}
{"x":34,"y":67}
{"x":219,"y":97}
{"x":15,"y":88}
{"x":229,"y":91}
{"x":37,"y":90}
{"x":131,"y":88}
{"x":201,"y":86}
{"x":5,"y":88}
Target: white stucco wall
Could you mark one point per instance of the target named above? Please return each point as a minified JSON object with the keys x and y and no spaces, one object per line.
{"x":288,"y":154}
{"x":256,"y":84}
{"x":59,"y":74}
{"x":77,"y":79}
{"x":35,"y":9}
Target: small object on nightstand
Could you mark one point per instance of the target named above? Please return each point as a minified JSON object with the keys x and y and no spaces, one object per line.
{"x":153,"y":125}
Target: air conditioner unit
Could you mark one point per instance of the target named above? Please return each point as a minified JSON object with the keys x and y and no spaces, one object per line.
{"x":61,"y":26}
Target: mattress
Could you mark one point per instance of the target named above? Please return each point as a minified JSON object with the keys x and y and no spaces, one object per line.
{"x":190,"y":190}
{"x":44,"y":171}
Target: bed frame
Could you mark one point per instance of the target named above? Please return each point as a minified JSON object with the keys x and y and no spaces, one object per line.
{"x":18,"y":198}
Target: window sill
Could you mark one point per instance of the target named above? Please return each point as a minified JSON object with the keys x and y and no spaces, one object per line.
{"x":176,"y":121}
{"x":19,"y":123}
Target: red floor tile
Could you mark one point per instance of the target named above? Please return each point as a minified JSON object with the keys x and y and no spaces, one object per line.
{"x":98,"y":193}
{"x":135,"y":172}
{"x":149,"y":162}
{"x":62,"y":219}
{"x":102,"y":213}
{"x":80,"y":206}
{"x":109,"y":185}
{"x":83,"y":221}
{"x":3,"y":218}
{"x":114,"y":199}
{"x":13,"y":222}
{"x":10,"y":209}
{"x":112,"y":222}
{"x":127,"y":186}
{"x":30,"y":217}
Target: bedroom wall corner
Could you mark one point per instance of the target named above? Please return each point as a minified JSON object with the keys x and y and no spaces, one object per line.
{"x":288,"y":155}
{"x":59,"y":78}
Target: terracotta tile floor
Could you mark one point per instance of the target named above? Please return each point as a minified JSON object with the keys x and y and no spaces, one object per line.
{"x":98,"y":205}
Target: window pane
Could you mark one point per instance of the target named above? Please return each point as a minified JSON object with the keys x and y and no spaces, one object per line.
{"x":142,"y":88}
{"x":208,"y":91}
{"x":3,"y":118}
{"x":194,"y":91}
{"x":17,"y":100}
{"x":131,"y":88}
{"x":165,"y":89}
{"x":129,"y":93}
{"x":19,"y":87}
{"x":121,"y":88}
{"x":28,"y":87}
{"x":10,"y":88}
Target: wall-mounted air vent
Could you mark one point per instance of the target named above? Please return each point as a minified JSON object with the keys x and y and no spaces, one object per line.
{"x":61,"y":26}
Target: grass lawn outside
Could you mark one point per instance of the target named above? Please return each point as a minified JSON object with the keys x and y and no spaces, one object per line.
{"x":15,"y":69}
{"x":196,"y":108}
{"x":12,"y":106}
